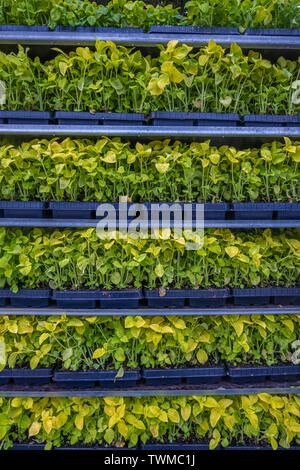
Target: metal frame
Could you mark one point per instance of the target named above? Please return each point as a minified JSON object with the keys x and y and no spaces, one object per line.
{"x":150,"y":131}
{"x":76,"y":38}
{"x":143,"y":392}
{"x":89,"y":223}
{"x":146,"y":311}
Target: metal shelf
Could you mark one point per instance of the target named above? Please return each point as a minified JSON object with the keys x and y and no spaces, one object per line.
{"x":52,"y":38}
{"x":238,"y":136}
{"x":89,"y":223}
{"x":143,"y":391}
{"x":146,"y":311}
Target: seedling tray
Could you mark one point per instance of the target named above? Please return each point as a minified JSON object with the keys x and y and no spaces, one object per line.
{"x":42,"y":447}
{"x":73,"y":210}
{"x":14,"y":27}
{"x":125,"y":298}
{"x":180,"y":447}
{"x":259,"y":448}
{"x":258,"y":374}
{"x":191,"y":376}
{"x":177,"y":298}
{"x":267,"y":296}
{"x":286,"y":295}
{"x":89,"y":119}
{"x":105,"y":379}
{"x":166,"y":118}
{"x":16,"y":209}
{"x":272,"y":32}
{"x":25,"y":376}
{"x":287,"y":211}
{"x":193,"y":30}
{"x":25,"y":298}
{"x":89,"y":299}
{"x":26,"y":117}
{"x":208,"y":297}
{"x":266,"y":120}
{"x":172,"y":298}
{"x":81,"y":299}
{"x":253,"y":211}
{"x":216,"y":211}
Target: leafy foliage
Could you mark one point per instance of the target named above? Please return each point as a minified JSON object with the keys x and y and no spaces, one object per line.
{"x":143,"y":14}
{"x":78,"y":258}
{"x":119,"y":79}
{"x":83,"y":170}
{"x":88,"y":343}
{"x":118,"y":421}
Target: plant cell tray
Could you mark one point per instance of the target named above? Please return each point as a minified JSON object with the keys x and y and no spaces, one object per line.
{"x":25,"y":298}
{"x":258,"y":374}
{"x":25,"y":376}
{"x":191,"y":376}
{"x":105,"y":379}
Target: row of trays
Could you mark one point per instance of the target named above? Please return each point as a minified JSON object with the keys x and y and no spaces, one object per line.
{"x":153,"y":298}
{"x":152,"y":447}
{"x":160,"y":29}
{"x":211,"y":211}
{"x":152,"y":377}
{"x":156,"y":118}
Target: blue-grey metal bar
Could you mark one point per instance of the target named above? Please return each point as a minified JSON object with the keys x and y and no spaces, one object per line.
{"x":230,"y":310}
{"x":76,"y":38}
{"x":86,"y":223}
{"x":151,"y":131}
{"x":148,"y":393}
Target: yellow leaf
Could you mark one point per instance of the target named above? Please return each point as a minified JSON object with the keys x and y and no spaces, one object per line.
{"x":110,"y":157}
{"x":99,"y":353}
{"x":173,"y":415}
{"x":34,"y":429}
{"x":123,"y":428}
{"x":232,"y":251}
{"x":203,"y":59}
{"x":79,"y":420}
{"x":215,"y":415}
{"x":63,"y":67}
{"x":186,"y":412}
{"x":201,"y":356}
{"x":48,"y":425}
{"x":162,"y":167}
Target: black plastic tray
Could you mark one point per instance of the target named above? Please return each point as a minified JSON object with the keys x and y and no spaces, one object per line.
{"x":168,"y":29}
{"x":89,"y":299}
{"x":125,"y":298}
{"x":73,"y":210}
{"x":257,"y":374}
{"x":26,"y":117}
{"x":26,"y":376}
{"x":261,"y":120}
{"x":15,"y":27}
{"x":25,"y":298}
{"x":267,"y":296}
{"x":192,"y":376}
{"x":88,"y":119}
{"x":272,"y":32}
{"x":178,"y":447}
{"x":176,"y":298}
{"x":166,"y":118}
{"x":40,"y":447}
{"x":105,"y":379}
{"x":20,"y":209}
